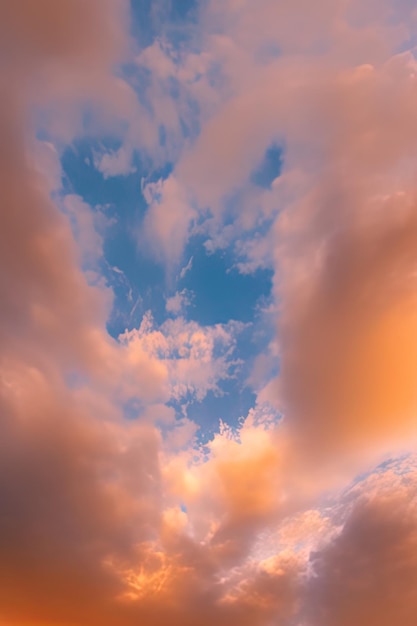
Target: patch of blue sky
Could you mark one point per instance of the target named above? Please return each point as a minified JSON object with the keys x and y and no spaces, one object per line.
{"x":133,"y":408}
{"x":270,"y":167}
{"x":230,"y":407}
{"x":170,"y":18}
{"x":179,"y":18}
{"x":221,"y":293}
{"x":263,"y":176}
{"x":233,"y":397}
{"x":138,"y":281}
{"x":139,"y":288}
{"x":190,"y":121}
{"x":184,"y":10}
{"x":145,"y":84}
{"x":143,"y":22}
{"x":170,"y":22}
{"x":82,"y":177}
{"x":140,"y":78}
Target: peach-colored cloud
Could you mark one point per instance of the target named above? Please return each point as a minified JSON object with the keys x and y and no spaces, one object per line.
{"x":44,"y":293}
{"x":67,"y":487}
{"x":348,"y":340}
{"x":167,"y":220}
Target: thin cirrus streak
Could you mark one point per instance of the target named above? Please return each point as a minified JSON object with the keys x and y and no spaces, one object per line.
{"x":136,"y":129}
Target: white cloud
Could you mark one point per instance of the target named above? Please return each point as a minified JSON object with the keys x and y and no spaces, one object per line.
{"x":186,"y":268}
{"x":83,"y":222}
{"x":167,"y":223}
{"x":178,"y":302}
{"x":196,"y":358}
{"x":115,"y":162}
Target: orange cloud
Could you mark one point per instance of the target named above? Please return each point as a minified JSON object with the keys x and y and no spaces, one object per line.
{"x":348,"y":331}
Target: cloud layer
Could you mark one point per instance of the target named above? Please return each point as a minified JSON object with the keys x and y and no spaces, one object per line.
{"x":112,"y":510}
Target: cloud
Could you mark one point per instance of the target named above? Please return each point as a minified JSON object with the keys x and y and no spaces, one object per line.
{"x":115,"y":163}
{"x":65,"y":506}
{"x":110,"y":521}
{"x":178,"y":302}
{"x":166,"y":228}
{"x":82,"y":219}
{"x":348,"y":340}
{"x":186,"y":268}
{"x":367,"y":573}
{"x":45,"y":293}
{"x":194,"y":358}
{"x":88,"y":535}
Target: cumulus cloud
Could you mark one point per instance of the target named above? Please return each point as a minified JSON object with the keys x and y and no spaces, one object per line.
{"x":167,"y":221}
{"x":115,"y":163}
{"x":178,"y":302}
{"x":195,"y":358}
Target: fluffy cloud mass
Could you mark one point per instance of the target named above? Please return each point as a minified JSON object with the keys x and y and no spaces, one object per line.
{"x":127,"y":495}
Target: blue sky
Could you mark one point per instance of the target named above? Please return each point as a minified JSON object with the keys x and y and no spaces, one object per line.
{"x":217,"y":291}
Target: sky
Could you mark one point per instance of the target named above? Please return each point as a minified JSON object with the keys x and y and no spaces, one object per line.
{"x":208,"y":319}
